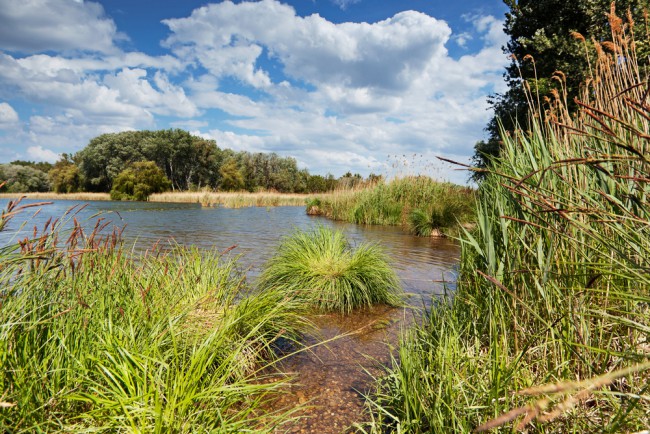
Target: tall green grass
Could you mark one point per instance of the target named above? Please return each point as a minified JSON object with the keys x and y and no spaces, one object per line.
{"x":93,"y":339}
{"x":323,"y":269}
{"x":548,"y":330}
{"x":441,"y":205}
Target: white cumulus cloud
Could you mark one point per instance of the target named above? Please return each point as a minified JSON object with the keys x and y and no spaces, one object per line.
{"x":227,"y":39}
{"x":38,"y":153}
{"x":8,"y":116}
{"x":40,"y":25}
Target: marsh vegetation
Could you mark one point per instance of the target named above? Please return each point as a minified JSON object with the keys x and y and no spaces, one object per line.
{"x":418,"y":204}
{"x":95,"y":339}
{"x":548,"y":329}
{"x":321,"y":268}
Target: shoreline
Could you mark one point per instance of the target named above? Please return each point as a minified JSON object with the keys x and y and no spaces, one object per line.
{"x":227,"y":199}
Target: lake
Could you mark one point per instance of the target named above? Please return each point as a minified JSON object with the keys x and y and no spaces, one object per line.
{"x":331,"y":377}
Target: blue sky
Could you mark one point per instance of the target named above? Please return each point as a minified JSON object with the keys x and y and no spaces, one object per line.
{"x":339,"y":85}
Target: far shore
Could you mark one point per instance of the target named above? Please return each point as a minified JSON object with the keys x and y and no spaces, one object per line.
{"x":227,"y":199}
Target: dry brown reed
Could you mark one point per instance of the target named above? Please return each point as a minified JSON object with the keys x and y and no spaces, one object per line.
{"x":232,"y":199}
{"x":50,"y":195}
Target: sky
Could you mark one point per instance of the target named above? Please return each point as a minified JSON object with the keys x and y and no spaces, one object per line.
{"x":367,"y":86}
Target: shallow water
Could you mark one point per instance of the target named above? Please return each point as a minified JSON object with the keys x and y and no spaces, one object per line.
{"x":332,"y":377}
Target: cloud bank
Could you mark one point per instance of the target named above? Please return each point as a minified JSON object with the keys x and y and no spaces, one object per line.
{"x":254,"y":76}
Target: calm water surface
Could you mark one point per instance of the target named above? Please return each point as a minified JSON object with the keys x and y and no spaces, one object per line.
{"x":332,"y":377}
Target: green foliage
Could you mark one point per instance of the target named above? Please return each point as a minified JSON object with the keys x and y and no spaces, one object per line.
{"x":548,"y":31}
{"x":391,"y":203}
{"x":93,"y":340}
{"x":231,"y":177}
{"x":548,"y":329}
{"x":271,"y":172}
{"x":321,"y":268}
{"x":65,"y":176}
{"x":43,"y":166}
{"x":316,"y":184}
{"x":23,"y":179}
{"x":186,"y":160}
{"x":191,"y":163}
{"x":139,"y":181}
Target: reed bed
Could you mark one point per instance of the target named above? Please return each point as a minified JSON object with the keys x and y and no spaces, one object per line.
{"x":417,"y":203}
{"x":93,"y":339}
{"x":232,"y":199}
{"x":50,"y":195}
{"x":548,"y":330}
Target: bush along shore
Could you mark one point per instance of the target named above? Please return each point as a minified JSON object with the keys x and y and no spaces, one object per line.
{"x":419,"y":204}
{"x":548,"y":330}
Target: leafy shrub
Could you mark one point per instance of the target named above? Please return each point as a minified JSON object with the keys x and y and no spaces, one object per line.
{"x":322,"y":269}
{"x":65,"y":177}
{"x":139,"y":181}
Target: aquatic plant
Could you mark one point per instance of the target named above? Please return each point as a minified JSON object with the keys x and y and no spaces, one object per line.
{"x":392,"y":203}
{"x":438,"y":216}
{"x":321,"y":268}
{"x":93,"y":339}
{"x":548,"y":329}
{"x":314,"y":206}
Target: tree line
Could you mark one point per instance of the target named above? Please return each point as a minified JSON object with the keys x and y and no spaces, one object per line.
{"x":134,"y":164}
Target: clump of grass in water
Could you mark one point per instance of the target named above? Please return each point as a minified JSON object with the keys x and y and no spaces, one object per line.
{"x":322,"y":269}
{"x":314,"y":206}
{"x":548,"y":329}
{"x":438,"y":217}
{"x":94,"y":340}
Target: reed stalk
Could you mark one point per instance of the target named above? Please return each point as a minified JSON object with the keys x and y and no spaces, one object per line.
{"x":548,"y":330}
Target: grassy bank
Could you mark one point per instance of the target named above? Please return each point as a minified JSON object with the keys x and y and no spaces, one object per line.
{"x":94,"y":340}
{"x":232,"y":199}
{"x":417,"y":203}
{"x":548,"y":330}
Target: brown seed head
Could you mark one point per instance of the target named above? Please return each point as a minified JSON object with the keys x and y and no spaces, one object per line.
{"x":578,"y":36}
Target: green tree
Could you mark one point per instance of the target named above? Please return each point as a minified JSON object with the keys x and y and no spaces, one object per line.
{"x":106,"y":156}
{"x":65,"y":176}
{"x":138,"y":181}
{"x":546,"y":36}
{"x":231,"y":177}
{"x":188,"y":161}
{"x":23,"y":179}
{"x":43,"y":166}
